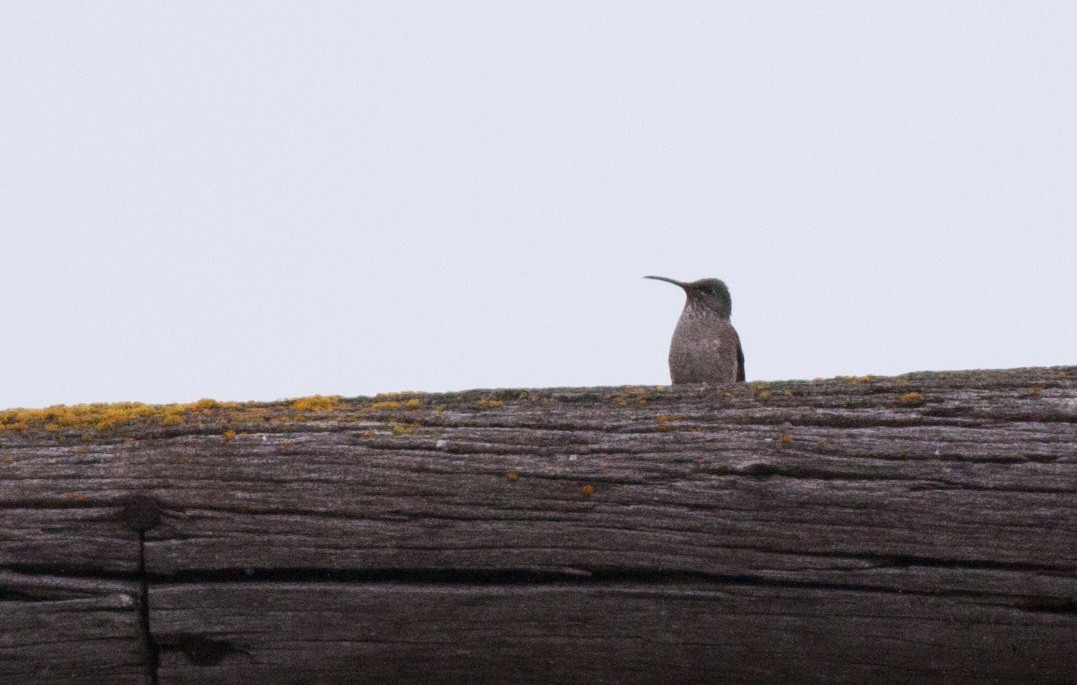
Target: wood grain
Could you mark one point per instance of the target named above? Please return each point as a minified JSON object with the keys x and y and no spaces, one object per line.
{"x":935,"y":500}
{"x":598,"y":633}
{"x":65,"y":630}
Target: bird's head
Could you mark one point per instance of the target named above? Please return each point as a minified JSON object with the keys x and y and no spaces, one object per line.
{"x":709,"y":293}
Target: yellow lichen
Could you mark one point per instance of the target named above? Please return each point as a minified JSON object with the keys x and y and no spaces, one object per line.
{"x":513,"y":476}
{"x":853,"y":380}
{"x":395,"y":396}
{"x":910,"y":399}
{"x":413,"y":403}
{"x":487,"y":403}
{"x":385,"y":404}
{"x":59,"y":417}
{"x":316,"y":403}
{"x":171,"y":419}
{"x":404,"y":428}
{"x":635,"y":393}
{"x":665,"y":422}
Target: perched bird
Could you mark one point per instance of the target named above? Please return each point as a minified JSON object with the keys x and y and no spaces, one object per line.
{"x":706,"y":347}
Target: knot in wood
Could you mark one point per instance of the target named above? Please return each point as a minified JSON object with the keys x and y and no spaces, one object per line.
{"x":141,"y":512}
{"x":203,"y":651}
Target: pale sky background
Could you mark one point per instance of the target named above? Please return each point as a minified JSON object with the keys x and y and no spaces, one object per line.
{"x":254,"y":200}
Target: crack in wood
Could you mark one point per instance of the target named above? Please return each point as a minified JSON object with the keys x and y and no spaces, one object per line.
{"x":146,"y":641}
{"x":203,"y":651}
{"x":140,"y":513}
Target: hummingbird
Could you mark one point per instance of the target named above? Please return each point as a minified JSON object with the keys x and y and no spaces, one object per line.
{"x":705,"y":347}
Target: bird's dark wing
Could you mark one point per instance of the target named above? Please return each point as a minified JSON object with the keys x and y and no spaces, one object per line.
{"x":740,"y":362}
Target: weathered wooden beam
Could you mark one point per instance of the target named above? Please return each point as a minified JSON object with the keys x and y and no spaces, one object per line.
{"x":923,"y":526}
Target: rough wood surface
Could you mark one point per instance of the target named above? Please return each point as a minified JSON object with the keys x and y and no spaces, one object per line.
{"x":67,"y":630}
{"x":597,"y":633}
{"x":933,"y":506}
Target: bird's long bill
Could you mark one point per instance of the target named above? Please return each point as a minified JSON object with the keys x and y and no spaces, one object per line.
{"x":667,"y":280}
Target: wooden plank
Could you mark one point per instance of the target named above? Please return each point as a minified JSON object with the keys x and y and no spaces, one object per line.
{"x":64,"y":630}
{"x":327,"y":633}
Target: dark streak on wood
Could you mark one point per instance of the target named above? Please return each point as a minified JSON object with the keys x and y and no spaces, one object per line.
{"x":916,"y":528}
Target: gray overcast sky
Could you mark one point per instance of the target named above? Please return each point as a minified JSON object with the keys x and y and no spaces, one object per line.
{"x":251,"y":200}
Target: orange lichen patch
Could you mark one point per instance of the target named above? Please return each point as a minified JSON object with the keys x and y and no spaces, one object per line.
{"x":665,"y":422}
{"x":853,"y":380}
{"x":61,"y":416}
{"x":588,"y":490}
{"x":386,"y":404}
{"x":404,"y":428}
{"x":1037,"y":389}
{"x":820,"y":442}
{"x":172,"y":415}
{"x":77,"y":497}
{"x":487,"y":403}
{"x":395,"y":400}
{"x":911,"y":399}
{"x":229,"y":435}
{"x":635,"y":393}
{"x":207,"y":404}
{"x":8,"y":460}
{"x":316,"y":403}
{"x":513,"y":476}
{"x":786,"y":438}
{"x":103,"y":416}
{"x":83,"y":449}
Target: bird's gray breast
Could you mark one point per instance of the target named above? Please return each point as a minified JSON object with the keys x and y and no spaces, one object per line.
{"x":704,"y":349}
